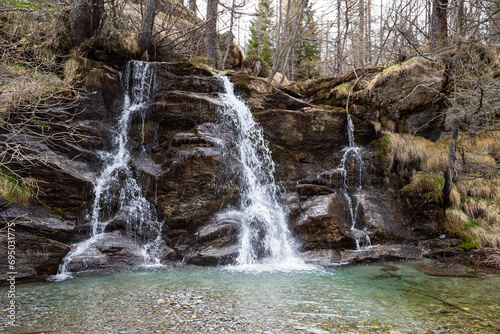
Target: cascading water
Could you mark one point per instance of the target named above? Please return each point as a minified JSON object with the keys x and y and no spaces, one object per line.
{"x":265,"y":237}
{"x":116,"y":191}
{"x":353,"y":157}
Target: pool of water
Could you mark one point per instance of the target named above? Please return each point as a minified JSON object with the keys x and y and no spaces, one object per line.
{"x":377,"y":298}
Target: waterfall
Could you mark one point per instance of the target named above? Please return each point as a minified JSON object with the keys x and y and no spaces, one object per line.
{"x":352,"y":155}
{"x":117,"y":194}
{"x":264,"y":236}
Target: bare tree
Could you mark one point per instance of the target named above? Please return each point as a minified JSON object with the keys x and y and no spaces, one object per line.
{"x":211,"y":40}
{"x":439,"y":21}
{"x":85,"y":19}
{"x":146,"y":32}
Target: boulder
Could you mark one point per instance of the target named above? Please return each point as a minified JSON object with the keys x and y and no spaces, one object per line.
{"x":213,"y":256}
{"x":324,"y":223}
{"x":310,"y":129}
{"x":34,"y":256}
{"x":37,"y":221}
{"x":383,"y":217}
{"x":109,"y":250}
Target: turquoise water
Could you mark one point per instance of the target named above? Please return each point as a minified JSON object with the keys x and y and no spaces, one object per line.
{"x":378,"y":298}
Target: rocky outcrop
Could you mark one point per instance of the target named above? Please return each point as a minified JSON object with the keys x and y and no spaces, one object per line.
{"x":37,"y":221}
{"x":262,"y":95}
{"x":376,"y":253}
{"x":177,"y":145}
{"x":308,"y":129}
{"x":34,"y":256}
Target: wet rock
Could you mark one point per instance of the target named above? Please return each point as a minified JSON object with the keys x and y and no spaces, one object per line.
{"x":168,"y":255}
{"x":37,"y":221}
{"x":104,"y":94}
{"x":292,"y":203}
{"x":177,"y":110}
{"x":262,"y":95}
{"x":311,"y":129}
{"x":370,"y":254}
{"x":213,"y":256}
{"x":445,"y":269}
{"x":107,"y":250}
{"x":34,"y":256}
{"x":383,"y":218}
{"x":324,"y":223}
{"x":217,"y":230}
{"x":185,"y":196}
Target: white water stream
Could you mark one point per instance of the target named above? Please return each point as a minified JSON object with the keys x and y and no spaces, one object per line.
{"x":352,"y":160}
{"x":116,"y":191}
{"x":266,"y":241}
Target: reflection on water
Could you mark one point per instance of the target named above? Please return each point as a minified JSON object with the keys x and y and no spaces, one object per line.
{"x":381,"y":298}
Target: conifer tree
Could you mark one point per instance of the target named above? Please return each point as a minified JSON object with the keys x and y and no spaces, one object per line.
{"x":260,"y":32}
{"x":307,"y":51}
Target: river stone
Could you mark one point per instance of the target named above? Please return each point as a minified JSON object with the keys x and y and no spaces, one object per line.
{"x":109,"y":250}
{"x":37,"y":221}
{"x":445,"y":269}
{"x":34,"y":256}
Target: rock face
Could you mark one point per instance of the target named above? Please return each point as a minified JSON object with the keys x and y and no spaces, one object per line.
{"x":177,"y":155}
{"x":308,"y":129}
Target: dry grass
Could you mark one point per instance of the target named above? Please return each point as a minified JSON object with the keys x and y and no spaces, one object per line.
{"x":14,"y":191}
{"x":403,"y":150}
{"x":392,"y":73}
{"x":21,"y":85}
{"x":477,"y":214}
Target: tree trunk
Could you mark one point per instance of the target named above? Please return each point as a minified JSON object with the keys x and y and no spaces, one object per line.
{"x":192,"y":6}
{"x":146,"y":32}
{"x":211,"y":41}
{"x":85,"y":18}
{"x":439,"y":20}
{"x":450,"y":166}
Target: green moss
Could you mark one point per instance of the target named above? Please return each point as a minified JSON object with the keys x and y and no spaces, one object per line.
{"x":470,"y":242}
{"x":382,"y":146}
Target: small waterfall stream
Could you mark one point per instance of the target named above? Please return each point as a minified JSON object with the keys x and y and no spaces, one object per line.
{"x":265,"y":237}
{"x":352,"y":160}
{"x":116,"y":191}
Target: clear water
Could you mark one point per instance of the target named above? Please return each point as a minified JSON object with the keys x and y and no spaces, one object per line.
{"x":381,"y":298}
{"x":264,"y":236}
